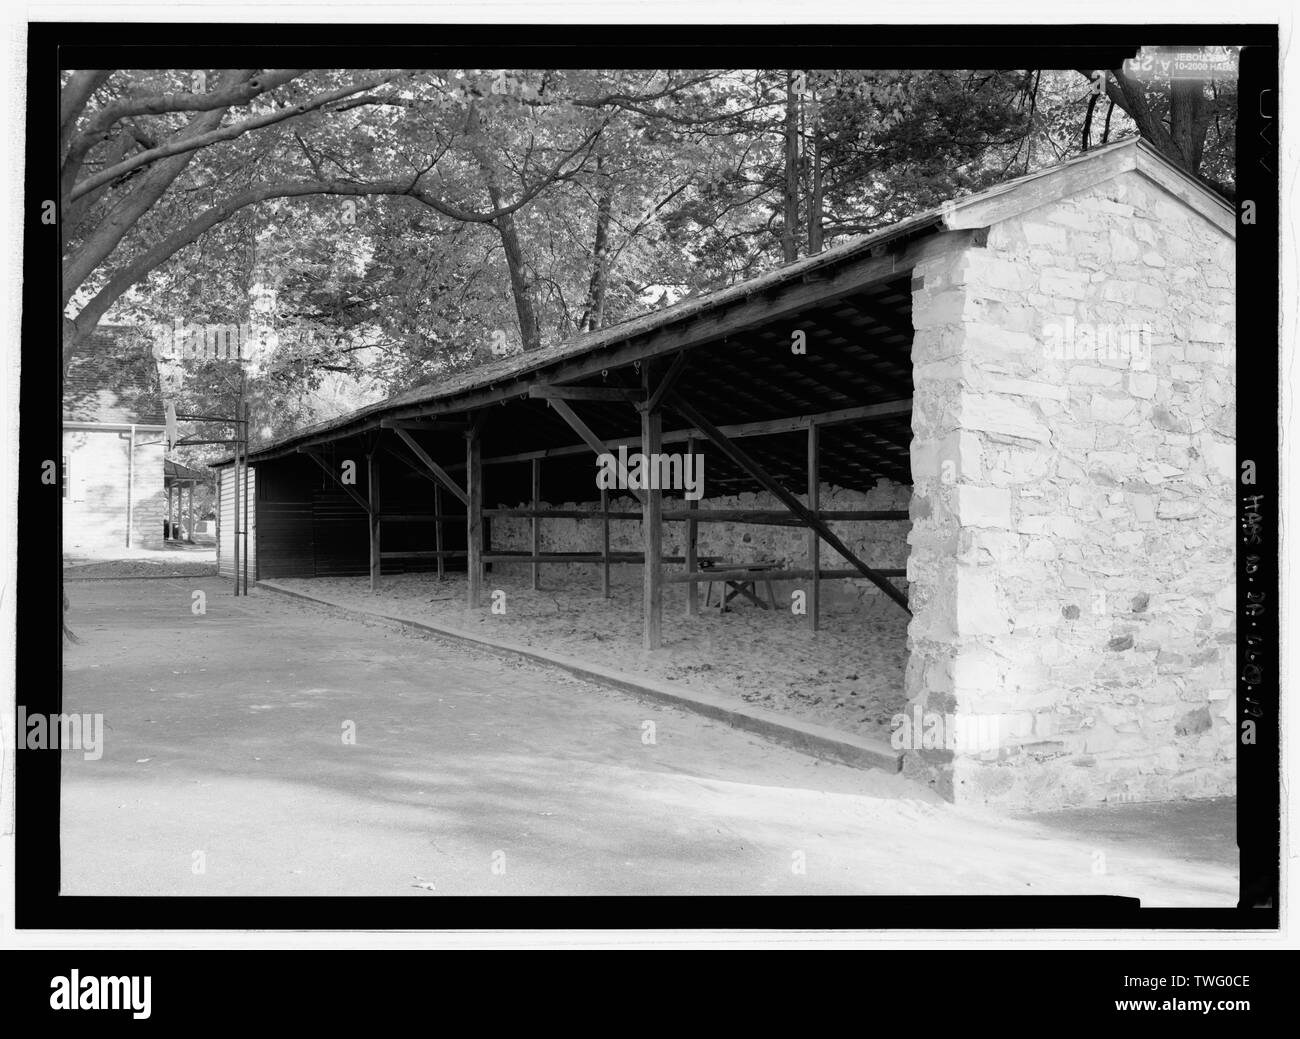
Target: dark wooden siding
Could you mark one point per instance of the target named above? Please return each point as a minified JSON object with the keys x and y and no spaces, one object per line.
{"x":309,"y":527}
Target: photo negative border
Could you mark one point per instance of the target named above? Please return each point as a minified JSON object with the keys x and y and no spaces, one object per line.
{"x":52,"y":46}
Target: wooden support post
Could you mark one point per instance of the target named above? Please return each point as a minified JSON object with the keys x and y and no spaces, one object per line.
{"x":537,"y":530}
{"x":604,"y":568}
{"x":372,"y":488}
{"x":652,"y":526}
{"x":474,"y":515}
{"x":692,"y":534}
{"x":437,"y":531}
{"x":190,"y":528}
{"x":814,"y":539}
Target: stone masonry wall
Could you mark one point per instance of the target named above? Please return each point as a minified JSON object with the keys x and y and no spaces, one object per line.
{"x":878,"y":544}
{"x":1072,"y":538}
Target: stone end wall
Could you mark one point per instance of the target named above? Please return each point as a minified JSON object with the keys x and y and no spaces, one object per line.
{"x":1074,"y":464}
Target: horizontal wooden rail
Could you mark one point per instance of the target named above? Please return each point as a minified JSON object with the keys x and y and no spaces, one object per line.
{"x":424,"y":554}
{"x":865,"y":413}
{"x":572,"y":557}
{"x":420,"y":517}
{"x":772,"y":575}
{"x":766,"y":517}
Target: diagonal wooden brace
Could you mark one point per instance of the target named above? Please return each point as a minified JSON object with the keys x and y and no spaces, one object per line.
{"x":741,"y":459}
{"x":433,"y":466}
{"x":328,"y":470}
{"x":592,"y":441}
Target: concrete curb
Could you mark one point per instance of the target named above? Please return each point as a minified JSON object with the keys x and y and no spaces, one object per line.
{"x":806,"y":737}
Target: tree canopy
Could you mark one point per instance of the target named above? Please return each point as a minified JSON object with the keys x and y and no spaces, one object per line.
{"x":387,"y":226}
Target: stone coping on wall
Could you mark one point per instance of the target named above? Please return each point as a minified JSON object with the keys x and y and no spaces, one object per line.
{"x":815,"y":740}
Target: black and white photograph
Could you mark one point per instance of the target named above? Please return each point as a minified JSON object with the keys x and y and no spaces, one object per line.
{"x":764,"y":473}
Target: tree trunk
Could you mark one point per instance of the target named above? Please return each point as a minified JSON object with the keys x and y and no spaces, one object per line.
{"x":789,"y":244}
{"x":1183,"y":143}
{"x":593,"y":309}
{"x":530,"y":331}
{"x":816,"y":189}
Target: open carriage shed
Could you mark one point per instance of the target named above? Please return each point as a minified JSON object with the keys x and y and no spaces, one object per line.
{"x":1026,"y":397}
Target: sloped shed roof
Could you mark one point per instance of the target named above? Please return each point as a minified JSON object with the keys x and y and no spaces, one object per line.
{"x":511,"y":376}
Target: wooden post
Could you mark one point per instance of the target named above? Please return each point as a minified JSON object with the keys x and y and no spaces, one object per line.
{"x":537,"y":504}
{"x":692,"y":532}
{"x":372,"y":480}
{"x":474,"y":515}
{"x":652,"y":523}
{"x":437,"y":531}
{"x":189,"y":530}
{"x":814,"y":539}
{"x":604,"y":569}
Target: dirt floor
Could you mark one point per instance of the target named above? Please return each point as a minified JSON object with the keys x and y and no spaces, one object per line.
{"x":175,"y":560}
{"x":848,"y":675}
{"x":475,"y":774}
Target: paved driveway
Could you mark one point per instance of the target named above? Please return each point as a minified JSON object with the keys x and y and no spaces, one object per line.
{"x":474,"y":774}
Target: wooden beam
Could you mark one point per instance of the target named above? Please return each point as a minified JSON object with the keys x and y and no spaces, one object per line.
{"x":422,"y":553}
{"x":437,"y":530}
{"x":605,"y":393}
{"x":604,"y":551}
{"x":652,"y":528}
{"x":372,"y":488}
{"x":594,"y":442}
{"x":419,"y":517}
{"x":814,"y":542}
{"x":537,"y":504}
{"x":329,"y":471}
{"x":666,"y":383}
{"x":800,"y":574}
{"x":742,"y":460}
{"x":758,"y":517}
{"x":794,"y":424}
{"x":423,"y":425}
{"x":692,"y":537}
{"x":474,"y":516}
{"x":433,"y":467}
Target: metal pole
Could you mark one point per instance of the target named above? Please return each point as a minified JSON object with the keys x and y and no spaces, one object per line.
{"x":247,"y":495}
{"x":234,"y":512}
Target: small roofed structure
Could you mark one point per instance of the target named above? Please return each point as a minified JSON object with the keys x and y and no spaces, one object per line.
{"x":995,"y":416}
{"x":180,"y":483}
{"x":112,"y":463}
